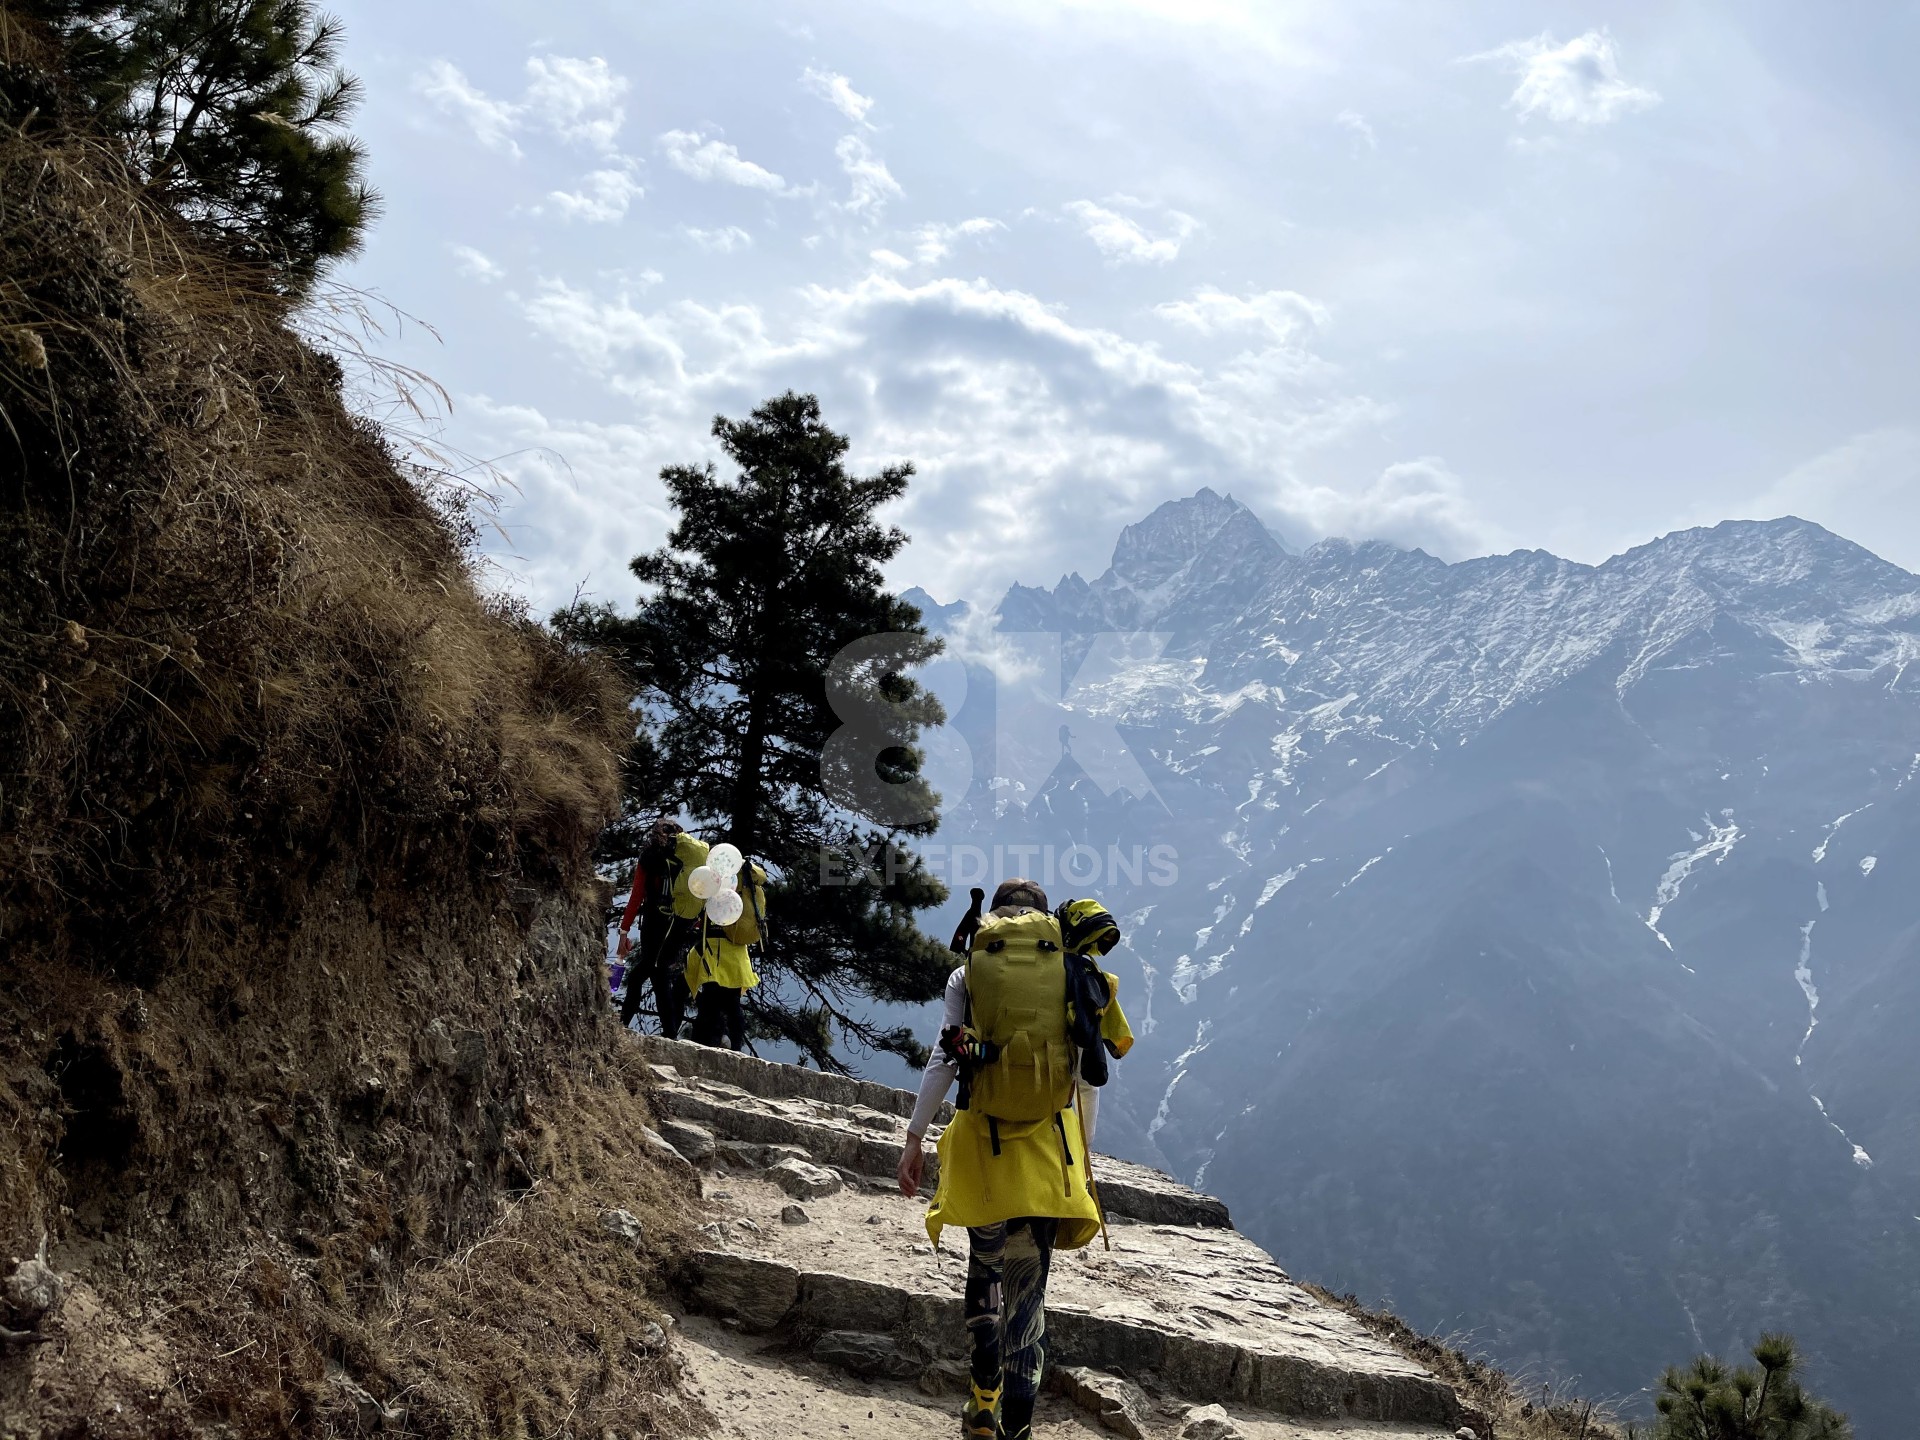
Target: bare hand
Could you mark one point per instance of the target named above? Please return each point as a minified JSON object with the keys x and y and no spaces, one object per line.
{"x":626,"y":944}
{"x":911,"y":1164}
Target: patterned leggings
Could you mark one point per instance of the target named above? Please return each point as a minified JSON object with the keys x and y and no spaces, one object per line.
{"x":1005,"y":1307}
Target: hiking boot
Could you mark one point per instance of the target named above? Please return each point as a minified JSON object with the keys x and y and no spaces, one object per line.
{"x":981,"y":1419}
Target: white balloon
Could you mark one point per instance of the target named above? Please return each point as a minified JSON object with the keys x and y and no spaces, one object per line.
{"x":726,"y":858}
{"x":726,"y":907}
{"x":729,"y":882}
{"x":704,"y":882}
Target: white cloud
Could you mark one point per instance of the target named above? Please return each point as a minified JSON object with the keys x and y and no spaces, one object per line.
{"x":1357,"y":123}
{"x":603,"y":197}
{"x":1863,"y":488}
{"x":889,"y":259}
{"x":584,"y":499}
{"x":933,"y":243}
{"x":577,"y":99}
{"x":1016,"y":415}
{"x":1576,"y":83}
{"x":1415,"y":503}
{"x":872,"y":184}
{"x":838,"y":92}
{"x":1124,"y":240}
{"x":723,"y":241}
{"x":703,"y":158}
{"x":491,"y":121}
{"x":1282,"y":314}
{"x":475,"y":265}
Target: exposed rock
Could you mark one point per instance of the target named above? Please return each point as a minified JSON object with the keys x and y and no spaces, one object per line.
{"x":436,"y":1045}
{"x":676,"y":1163}
{"x":694,"y":1142}
{"x":1116,"y":1403}
{"x":840,"y":1302}
{"x":755,"y":1294}
{"x":794,"y":1215}
{"x":763,"y":1077}
{"x":652,"y":1337}
{"x":754,"y":1155}
{"x":802,"y":1180}
{"x":1209,"y":1422}
{"x":34,"y":1292}
{"x":623,"y":1225}
{"x":946,"y":1376}
{"x":865,"y":1354}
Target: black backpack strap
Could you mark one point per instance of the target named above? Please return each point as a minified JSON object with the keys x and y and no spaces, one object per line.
{"x":962,"y":942}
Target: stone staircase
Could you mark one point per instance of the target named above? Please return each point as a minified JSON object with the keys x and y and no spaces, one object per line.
{"x":811,"y":1240}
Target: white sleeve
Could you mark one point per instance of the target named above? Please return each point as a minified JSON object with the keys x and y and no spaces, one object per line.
{"x":938,"y":1078}
{"x":1088,"y":1099}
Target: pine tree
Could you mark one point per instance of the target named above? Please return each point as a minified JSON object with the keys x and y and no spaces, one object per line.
{"x":231,"y":112}
{"x":1765,"y":1401}
{"x":770,"y":668}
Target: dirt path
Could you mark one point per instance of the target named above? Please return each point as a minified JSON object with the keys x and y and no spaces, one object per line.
{"x":759,"y":1391}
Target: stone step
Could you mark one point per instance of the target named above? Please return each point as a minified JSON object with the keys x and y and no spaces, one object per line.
{"x":771,"y":1080}
{"x":754,"y":1390}
{"x":1198,"y":1313}
{"x":853,"y":1133}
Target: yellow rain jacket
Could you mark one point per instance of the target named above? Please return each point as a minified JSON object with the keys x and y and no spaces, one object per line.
{"x":1113,"y":1021}
{"x":1041,"y":1168}
{"x":720,"y":962}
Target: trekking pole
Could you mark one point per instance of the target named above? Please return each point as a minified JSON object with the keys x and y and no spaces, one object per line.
{"x":1086,"y":1149}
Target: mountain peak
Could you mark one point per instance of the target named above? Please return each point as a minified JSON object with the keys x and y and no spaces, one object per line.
{"x":1152,"y":550}
{"x":1762,"y":557}
{"x":938,"y":618}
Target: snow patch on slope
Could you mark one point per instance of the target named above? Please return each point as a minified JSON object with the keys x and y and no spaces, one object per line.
{"x":1820,"y":850}
{"x":1716,"y":845}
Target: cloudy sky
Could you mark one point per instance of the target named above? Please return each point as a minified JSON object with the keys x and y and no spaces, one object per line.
{"x":1467,"y":276}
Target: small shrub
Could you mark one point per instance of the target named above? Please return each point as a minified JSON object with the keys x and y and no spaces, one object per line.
{"x":1708,"y":1400}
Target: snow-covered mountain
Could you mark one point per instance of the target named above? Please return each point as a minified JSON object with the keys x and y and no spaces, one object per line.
{"x":1535,"y":946}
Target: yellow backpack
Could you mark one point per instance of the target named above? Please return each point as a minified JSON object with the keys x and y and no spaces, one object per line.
{"x":1017,"y":1004}
{"x":689,"y":854}
{"x":753,"y":889}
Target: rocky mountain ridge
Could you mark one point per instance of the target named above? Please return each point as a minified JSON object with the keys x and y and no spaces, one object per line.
{"x":1573,"y":894}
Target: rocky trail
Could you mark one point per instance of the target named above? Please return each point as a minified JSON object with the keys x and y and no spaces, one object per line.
{"x":815,"y":1302}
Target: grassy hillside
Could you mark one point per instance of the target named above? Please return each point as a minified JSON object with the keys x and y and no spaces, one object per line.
{"x":305,"y":1075}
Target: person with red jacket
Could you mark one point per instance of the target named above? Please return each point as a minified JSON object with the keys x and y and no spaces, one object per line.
{"x":664,"y":937}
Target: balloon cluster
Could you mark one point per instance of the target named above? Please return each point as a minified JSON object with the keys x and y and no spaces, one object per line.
{"x":717,"y":881}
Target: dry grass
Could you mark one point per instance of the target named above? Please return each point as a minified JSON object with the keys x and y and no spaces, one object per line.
{"x":304,"y":1058}
{"x":1508,"y":1406}
{"x":236,"y":616}
{"x":536,"y":1326}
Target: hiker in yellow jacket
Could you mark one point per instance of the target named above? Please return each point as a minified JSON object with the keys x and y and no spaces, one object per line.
{"x":719,"y":969}
{"x":1014,"y":1163}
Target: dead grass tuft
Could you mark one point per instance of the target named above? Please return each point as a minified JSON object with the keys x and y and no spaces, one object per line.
{"x":1509,"y":1406}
